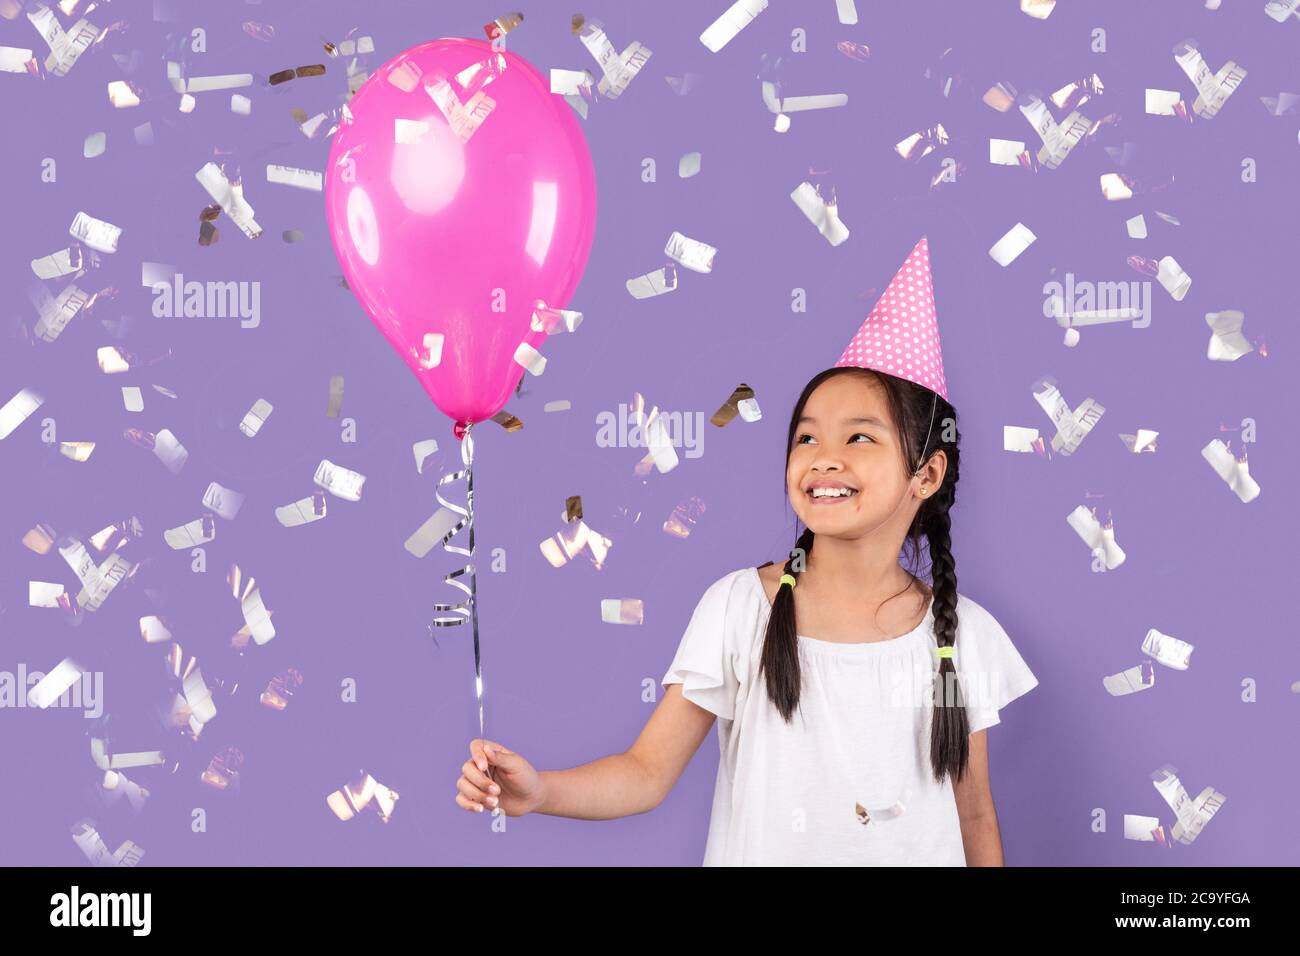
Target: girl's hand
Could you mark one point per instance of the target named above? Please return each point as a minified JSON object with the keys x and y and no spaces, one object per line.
{"x":513,"y":784}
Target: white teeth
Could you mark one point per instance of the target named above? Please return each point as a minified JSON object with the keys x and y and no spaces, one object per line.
{"x":831,"y":492}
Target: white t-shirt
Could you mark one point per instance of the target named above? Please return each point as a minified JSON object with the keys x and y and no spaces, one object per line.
{"x":789,"y":794}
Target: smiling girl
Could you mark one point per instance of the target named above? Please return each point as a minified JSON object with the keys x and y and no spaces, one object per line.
{"x":852,"y":699}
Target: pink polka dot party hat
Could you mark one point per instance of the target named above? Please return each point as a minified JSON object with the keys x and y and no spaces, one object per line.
{"x":901,"y":334}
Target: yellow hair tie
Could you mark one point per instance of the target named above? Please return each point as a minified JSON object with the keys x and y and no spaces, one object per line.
{"x":945,"y":652}
{"x":787,"y":579}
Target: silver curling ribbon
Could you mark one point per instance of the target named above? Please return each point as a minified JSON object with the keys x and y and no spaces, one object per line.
{"x":467,"y":609}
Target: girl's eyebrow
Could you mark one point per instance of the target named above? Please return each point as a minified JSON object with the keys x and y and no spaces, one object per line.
{"x":864,"y":420}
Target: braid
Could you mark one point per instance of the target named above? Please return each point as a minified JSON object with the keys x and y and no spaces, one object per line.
{"x":781,"y":650}
{"x":949,"y":737}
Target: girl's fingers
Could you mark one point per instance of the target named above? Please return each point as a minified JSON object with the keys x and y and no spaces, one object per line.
{"x":469,"y":805}
{"x":474,"y":793}
{"x":476,"y":752}
{"x":478,"y":778}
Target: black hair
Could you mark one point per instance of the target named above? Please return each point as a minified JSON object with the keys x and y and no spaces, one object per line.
{"x":926,"y":423}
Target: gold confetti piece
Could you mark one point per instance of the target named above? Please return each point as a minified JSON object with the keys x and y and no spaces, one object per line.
{"x":222,"y":772}
{"x":40,"y":539}
{"x":187,"y":103}
{"x":573,"y":508}
{"x":729,"y":409}
{"x":572,"y":540}
{"x":196,"y":532}
{"x":336,"y":397}
{"x":507,"y":421}
{"x":356,"y":796}
{"x":1000,"y":96}
{"x":76,"y":450}
{"x":891,"y":812}
{"x":281,"y":688}
{"x":303,"y":511}
{"x":684,"y":518}
{"x":502,"y":25}
{"x":283,"y":76}
{"x":339,"y":481}
{"x":621,"y":611}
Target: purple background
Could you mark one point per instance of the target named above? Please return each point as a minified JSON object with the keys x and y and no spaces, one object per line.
{"x":561,"y":687}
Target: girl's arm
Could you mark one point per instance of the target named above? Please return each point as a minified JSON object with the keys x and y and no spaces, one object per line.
{"x":636,"y":781}
{"x":979,"y":819}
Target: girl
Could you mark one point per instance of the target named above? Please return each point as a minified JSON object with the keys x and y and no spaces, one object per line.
{"x":838,"y":744}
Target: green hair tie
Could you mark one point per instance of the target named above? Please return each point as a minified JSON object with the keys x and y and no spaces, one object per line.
{"x":787,"y":579}
{"x":945,"y":652}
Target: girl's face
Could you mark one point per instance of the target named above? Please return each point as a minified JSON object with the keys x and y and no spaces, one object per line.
{"x":846,"y":444}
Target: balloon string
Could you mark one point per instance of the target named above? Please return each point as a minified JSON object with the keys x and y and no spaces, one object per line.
{"x":467,"y":609}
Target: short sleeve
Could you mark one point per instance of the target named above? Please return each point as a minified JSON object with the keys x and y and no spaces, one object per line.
{"x":704,"y":664}
{"x":992,"y":671}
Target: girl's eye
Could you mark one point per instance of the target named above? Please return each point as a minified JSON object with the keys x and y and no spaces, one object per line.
{"x":860,"y":435}
{"x":800,"y":439}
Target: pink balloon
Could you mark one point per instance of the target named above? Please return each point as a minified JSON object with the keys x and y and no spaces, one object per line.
{"x":459,"y":194}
